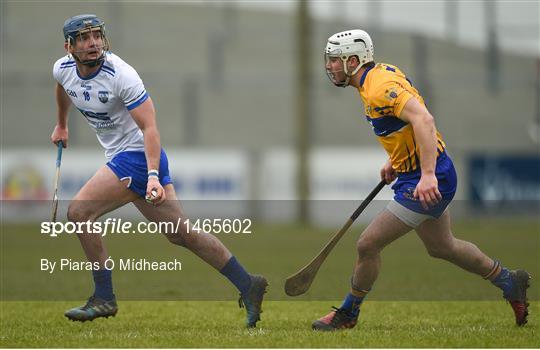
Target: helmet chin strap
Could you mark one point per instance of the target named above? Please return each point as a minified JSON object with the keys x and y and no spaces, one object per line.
{"x":91,"y":63}
{"x":347,"y":75}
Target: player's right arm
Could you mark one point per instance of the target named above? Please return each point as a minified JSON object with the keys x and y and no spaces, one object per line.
{"x":63,"y":103}
{"x":425,"y":134}
{"x":388,"y":173}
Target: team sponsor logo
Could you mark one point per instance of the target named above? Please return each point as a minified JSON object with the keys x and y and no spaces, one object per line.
{"x":103,"y":96}
{"x":384,"y":110}
{"x":101,"y":121}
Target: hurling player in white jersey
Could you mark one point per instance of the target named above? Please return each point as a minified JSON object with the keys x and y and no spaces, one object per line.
{"x":111,"y":97}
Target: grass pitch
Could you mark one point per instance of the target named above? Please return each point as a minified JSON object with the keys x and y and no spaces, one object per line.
{"x":418,"y":301}
{"x":284,"y":324}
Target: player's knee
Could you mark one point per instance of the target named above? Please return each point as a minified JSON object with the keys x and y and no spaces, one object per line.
{"x":444,"y":252}
{"x":77,"y":212}
{"x":366,"y":247}
{"x":176,"y":239}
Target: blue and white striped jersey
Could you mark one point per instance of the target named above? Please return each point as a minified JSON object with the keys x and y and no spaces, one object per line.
{"x":105,"y":99}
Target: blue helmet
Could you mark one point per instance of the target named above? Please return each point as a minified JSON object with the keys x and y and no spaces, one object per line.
{"x":74,"y":25}
{"x":80,"y":24}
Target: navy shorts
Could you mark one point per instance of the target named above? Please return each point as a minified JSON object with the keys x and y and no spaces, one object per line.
{"x":447,"y":183}
{"x":132,"y":165}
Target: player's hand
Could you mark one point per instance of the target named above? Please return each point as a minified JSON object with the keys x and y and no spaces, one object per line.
{"x":427,"y":191}
{"x":388,"y":173}
{"x":155,"y":193}
{"x":60,"y":134}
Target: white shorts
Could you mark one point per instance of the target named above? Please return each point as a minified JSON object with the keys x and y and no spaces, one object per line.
{"x":406,"y":215}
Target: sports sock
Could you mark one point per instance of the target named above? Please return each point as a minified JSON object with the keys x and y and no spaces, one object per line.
{"x":103,"y":284}
{"x":352,"y":304}
{"x":237,"y":275}
{"x":504,"y":282}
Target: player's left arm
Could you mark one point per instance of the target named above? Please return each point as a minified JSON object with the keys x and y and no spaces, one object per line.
{"x":425,"y":134}
{"x":145,"y":117}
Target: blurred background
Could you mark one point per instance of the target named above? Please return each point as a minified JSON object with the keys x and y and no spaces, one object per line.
{"x":245,"y":108}
{"x":245,"y":80}
{"x":253,"y":128}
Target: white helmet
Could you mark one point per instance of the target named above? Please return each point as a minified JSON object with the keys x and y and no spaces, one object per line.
{"x":355,"y":42}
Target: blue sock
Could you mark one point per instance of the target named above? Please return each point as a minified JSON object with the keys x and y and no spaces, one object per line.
{"x":103,"y":284}
{"x":352,"y":304}
{"x":237,"y":275}
{"x":504,"y":282}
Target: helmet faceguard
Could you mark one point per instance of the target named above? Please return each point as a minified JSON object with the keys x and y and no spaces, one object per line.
{"x":332,"y":74}
{"x":344,"y":45}
{"x":77,"y":26}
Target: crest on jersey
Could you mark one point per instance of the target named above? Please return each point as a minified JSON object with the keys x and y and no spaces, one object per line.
{"x":103,"y":96}
{"x":391,"y":94}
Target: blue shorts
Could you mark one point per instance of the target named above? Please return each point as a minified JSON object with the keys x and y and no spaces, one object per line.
{"x":132,"y":165}
{"x":447,"y":183}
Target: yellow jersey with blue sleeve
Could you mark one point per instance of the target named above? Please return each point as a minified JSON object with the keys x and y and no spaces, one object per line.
{"x":385,"y":90}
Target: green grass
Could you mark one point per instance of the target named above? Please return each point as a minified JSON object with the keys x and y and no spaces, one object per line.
{"x":408,"y":273}
{"x":417,"y":301}
{"x":285,"y":325}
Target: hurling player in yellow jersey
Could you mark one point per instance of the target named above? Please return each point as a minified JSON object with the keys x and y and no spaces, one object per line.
{"x":426,"y":180}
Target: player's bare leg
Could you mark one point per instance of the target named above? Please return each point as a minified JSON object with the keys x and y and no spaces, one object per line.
{"x":103,"y":193}
{"x":210,"y":249}
{"x":206,"y":246}
{"x":441,"y":243}
{"x":383,"y":230}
